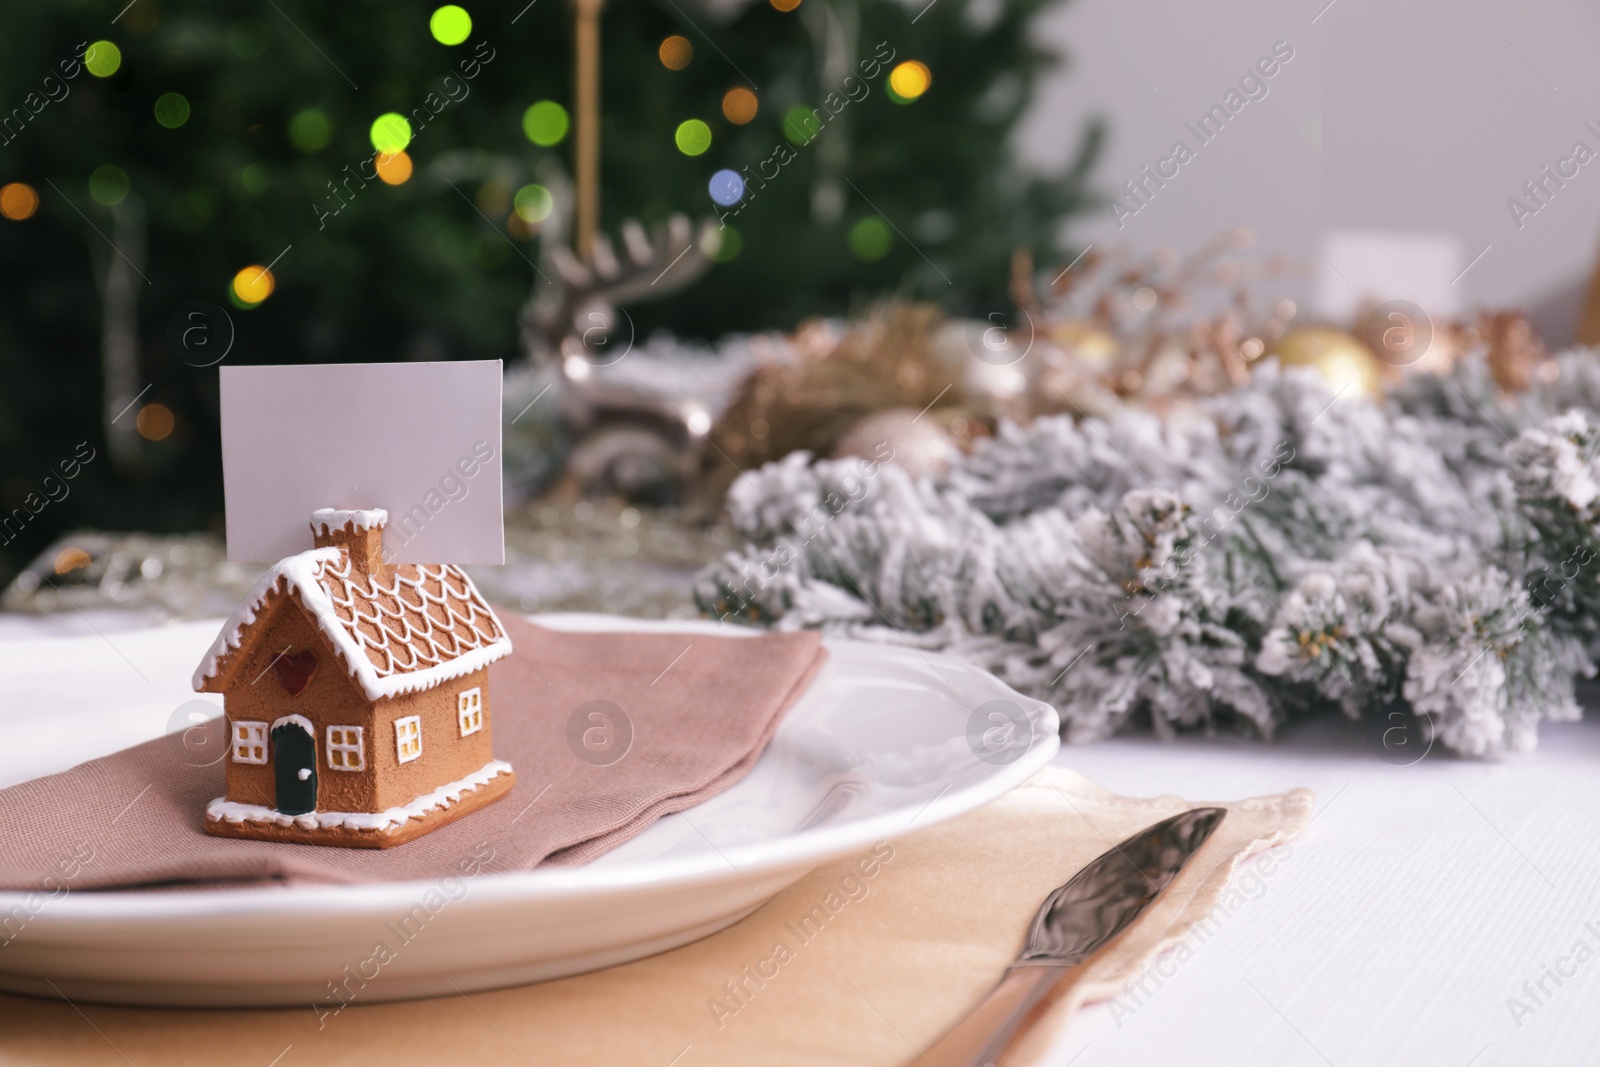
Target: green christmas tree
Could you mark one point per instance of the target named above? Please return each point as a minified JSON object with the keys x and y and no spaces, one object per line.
{"x":176,"y":160}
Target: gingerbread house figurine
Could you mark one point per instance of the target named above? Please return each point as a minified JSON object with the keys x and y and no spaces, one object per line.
{"x":356,"y":694}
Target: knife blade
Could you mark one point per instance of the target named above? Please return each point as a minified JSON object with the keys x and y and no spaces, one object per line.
{"x":1075,"y":922}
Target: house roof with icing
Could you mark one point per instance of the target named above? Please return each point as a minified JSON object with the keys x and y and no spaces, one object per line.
{"x":418,"y":627}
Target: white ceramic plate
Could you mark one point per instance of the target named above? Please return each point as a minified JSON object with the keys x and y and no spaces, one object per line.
{"x":879,"y":746}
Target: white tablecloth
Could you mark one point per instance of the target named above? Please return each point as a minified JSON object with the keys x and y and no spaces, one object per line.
{"x":1424,"y":918}
{"x":1400,"y":929}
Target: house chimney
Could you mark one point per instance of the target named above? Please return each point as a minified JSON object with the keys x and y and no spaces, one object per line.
{"x":358,"y":531}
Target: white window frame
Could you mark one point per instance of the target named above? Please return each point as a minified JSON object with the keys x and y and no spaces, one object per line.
{"x":469,"y":710}
{"x":407,"y":730}
{"x":348,"y":742}
{"x":249,"y":741}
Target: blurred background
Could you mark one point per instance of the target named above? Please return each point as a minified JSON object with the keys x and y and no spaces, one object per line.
{"x":704,"y":234}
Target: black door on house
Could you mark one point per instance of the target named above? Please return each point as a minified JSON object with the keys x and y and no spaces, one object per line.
{"x":294,"y":758}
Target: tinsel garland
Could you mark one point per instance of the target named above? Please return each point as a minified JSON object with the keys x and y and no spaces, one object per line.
{"x":1275,"y":551}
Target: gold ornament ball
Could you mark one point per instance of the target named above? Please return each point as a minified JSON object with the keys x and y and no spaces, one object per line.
{"x":1342,"y":360}
{"x":919,"y":443}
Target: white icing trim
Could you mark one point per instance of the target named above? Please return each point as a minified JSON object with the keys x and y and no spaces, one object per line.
{"x":254,"y":733}
{"x":298,"y":571}
{"x":326,"y":520}
{"x":294,"y":720}
{"x":224,"y":810}
{"x":394,"y":679}
{"x":469,"y":711}
{"x":356,"y":748}
{"x":407,"y":728}
{"x":302,"y":573}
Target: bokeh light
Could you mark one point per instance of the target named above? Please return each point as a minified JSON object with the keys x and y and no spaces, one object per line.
{"x":533,"y":203}
{"x":18,"y":201}
{"x":108,"y":185}
{"x":172,"y":110}
{"x":800,"y":124}
{"x":493,"y":197}
{"x":723,"y":245}
{"x":869,"y":239}
{"x":909,"y":80}
{"x":255,"y":178}
{"x":103,"y":59}
{"x":739,"y":105}
{"x":676,"y":52}
{"x":450,"y":24}
{"x":693,"y":137}
{"x":727,"y":187}
{"x":154,"y":422}
{"x":545,"y":123}
{"x":785,"y":5}
{"x":252,"y":285}
{"x":394,"y":168}
{"x":310,"y":130}
{"x":391,"y":132}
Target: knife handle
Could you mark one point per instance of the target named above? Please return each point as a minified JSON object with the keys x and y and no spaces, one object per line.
{"x":983,"y":1036}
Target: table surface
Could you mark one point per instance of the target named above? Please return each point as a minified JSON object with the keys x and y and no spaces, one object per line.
{"x":1434,"y":913}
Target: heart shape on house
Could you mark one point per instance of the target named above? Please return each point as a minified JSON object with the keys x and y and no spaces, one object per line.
{"x":294,"y":671}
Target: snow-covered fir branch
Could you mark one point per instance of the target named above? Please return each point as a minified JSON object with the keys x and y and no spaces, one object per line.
{"x":1278,"y":550}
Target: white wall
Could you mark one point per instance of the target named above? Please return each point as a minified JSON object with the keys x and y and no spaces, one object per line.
{"x":1423,"y":116}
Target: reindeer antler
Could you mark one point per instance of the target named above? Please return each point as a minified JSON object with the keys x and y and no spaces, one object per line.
{"x":653,"y":266}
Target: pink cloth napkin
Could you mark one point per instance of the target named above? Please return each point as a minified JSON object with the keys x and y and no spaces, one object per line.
{"x":700,"y":708}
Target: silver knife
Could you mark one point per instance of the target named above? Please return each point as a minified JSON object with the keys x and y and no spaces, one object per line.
{"x":1074,"y":923}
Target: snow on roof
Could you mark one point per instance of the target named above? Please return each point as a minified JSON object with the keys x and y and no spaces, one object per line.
{"x":324,"y":520}
{"x":421,"y":626}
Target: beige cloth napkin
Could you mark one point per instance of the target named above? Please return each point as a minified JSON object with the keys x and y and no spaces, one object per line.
{"x":903,"y":953}
{"x":701,"y":708}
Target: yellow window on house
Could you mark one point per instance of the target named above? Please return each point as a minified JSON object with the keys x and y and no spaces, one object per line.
{"x":408,"y":738}
{"x":345,"y":749}
{"x":249,"y":742}
{"x":469,"y":710}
